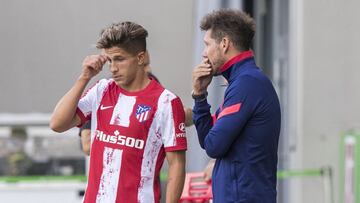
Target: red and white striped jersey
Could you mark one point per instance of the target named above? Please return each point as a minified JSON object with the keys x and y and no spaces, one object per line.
{"x":131,"y":131}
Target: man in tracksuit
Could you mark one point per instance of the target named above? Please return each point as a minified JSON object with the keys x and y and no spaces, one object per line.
{"x":243,"y":134}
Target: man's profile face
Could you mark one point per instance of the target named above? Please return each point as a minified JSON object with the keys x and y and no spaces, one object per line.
{"x":123,"y":65}
{"x":212,"y":52}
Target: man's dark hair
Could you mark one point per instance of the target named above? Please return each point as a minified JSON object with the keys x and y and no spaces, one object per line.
{"x":238,"y":26}
{"x":126,"y":35}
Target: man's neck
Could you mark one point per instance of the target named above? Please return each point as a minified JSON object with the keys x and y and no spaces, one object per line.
{"x":231,"y":54}
{"x":233,"y":58}
{"x":140,"y":82}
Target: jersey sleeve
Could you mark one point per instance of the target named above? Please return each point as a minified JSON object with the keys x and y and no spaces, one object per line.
{"x":173,"y":126}
{"x":90,"y":100}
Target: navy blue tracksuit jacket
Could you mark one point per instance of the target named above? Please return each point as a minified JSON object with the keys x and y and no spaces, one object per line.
{"x":242,"y":135}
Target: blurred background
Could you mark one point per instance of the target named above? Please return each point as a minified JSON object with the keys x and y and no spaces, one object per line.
{"x":309,"y":49}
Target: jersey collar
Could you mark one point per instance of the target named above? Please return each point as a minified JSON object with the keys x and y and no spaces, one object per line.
{"x":236,"y":59}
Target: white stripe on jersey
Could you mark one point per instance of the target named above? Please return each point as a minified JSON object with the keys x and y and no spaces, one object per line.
{"x":90,"y":102}
{"x":92,"y":98}
{"x":146,"y":115}
{"x":161,"y":131}
{"x":122,"y":110}
{"x":167,"y":125}
{"x":148,"y":164}
{"x":141,"y":117}
{"x":110,"y":175}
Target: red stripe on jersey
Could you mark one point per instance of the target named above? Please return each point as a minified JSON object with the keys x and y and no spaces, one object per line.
{"x":94,"y":173}
{"x":140,"y":166}
{"x":159,"y":163}
{"x":179,"y":126}
{"x":82,"y":117}
{"x":229,"y":110}
{"x":129,"y":178}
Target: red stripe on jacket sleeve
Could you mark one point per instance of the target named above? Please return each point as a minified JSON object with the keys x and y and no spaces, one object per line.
{"x":229,"y":110}
{"x":214,"y":118}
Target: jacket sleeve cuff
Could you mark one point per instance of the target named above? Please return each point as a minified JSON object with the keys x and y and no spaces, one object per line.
{"x":201,"y":107}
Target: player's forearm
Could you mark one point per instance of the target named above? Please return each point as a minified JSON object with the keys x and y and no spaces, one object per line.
{"x":63,"y":117}
{"x":86,"y":140}
{"x":176,"y":178}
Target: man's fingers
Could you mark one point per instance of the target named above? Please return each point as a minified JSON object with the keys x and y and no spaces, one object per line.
{"x":203,"y":70}
{"x":200,"y":72}
{"x":205,"y":64}
{"x":103,"y":59}
{"x":206,"y":61}
{"x":97,"y":62}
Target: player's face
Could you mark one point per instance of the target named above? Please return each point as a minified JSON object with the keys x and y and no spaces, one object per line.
{"x":213,"y":53}
{"x":124,"y":66}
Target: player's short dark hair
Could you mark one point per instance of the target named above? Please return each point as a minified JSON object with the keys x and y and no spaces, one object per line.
{"x":126,"y":35}
{"x":235,"y":24}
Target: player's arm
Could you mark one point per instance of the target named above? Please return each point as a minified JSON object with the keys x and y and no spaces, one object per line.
{"x":85,"y":137}
{"x":201,"y":79}
{"x":175,"y":144}
{"x":64,"y":116}
{"x":239,"y":105}
{"x":85,"y":140}
{"x":176,"y":175}
{"x":208,"y":170}
{"x":188,"y":117}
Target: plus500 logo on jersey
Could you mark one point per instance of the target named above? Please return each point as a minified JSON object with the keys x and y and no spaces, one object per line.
{"x":119,"y":139}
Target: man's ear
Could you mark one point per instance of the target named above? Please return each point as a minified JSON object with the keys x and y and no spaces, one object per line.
{"x":142,"y":58}
{"x":147,"y":58}
{"x":225,"y":44}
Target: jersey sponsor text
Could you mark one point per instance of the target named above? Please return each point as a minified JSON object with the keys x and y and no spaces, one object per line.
{"x":119,"y":139}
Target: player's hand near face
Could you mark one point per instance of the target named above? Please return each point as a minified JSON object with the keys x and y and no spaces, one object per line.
{"x":92,"y":65}
{"x":64,"y":116}
{"x":201,"y":77}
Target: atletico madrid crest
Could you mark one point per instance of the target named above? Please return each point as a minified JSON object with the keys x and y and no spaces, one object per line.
{"x":142,"y":112}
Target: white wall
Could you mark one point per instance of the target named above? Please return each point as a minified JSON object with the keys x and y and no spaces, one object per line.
{"x":43,"y":43}
{"x":328,"y":88}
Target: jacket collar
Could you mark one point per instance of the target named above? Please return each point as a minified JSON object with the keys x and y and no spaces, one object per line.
{"x":236,"y":59}
{"x":227,"y":69}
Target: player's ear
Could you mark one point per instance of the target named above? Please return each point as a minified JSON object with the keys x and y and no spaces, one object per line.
{"x":146,"y":58}
{"x":141,"y":56}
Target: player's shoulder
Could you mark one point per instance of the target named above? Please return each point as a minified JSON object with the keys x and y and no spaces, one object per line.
{"x":104,"y":84}
{"x":249,"y":80}
{"x":167,"y":95}
{"x":164,"y":93}
{"x":101,"y":83}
